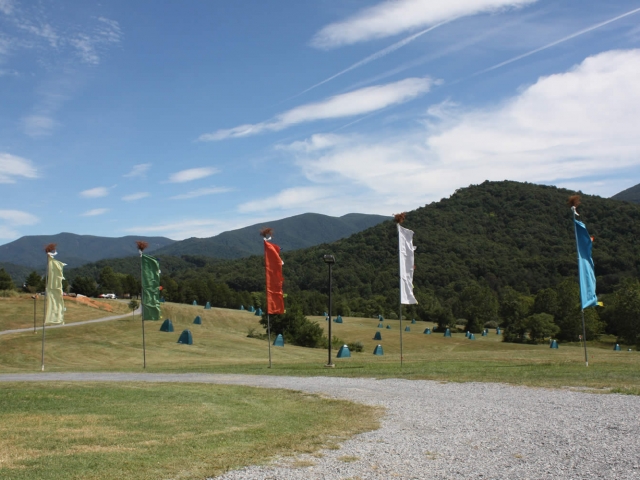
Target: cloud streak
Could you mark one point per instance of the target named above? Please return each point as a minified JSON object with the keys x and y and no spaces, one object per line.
{"x":563,"y":129}
{"x":393,"y":17}
{"x":357,"y":102}
{"x":201,"y":192}
{"x":557,"y":42}
{"x":96,"y":192}
{"x":10,"y":219}
{"x":138,"y":170}
{"x":192,"y":174}
{"x":135,"y":196}
{"x":13,"y":167}
{"x":95,"y":212}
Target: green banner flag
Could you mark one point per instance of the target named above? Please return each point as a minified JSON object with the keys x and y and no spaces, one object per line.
{"x":150,"y":288}
{"x":55,"y":303}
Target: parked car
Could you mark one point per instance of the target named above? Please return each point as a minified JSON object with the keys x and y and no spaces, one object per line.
{"x":110,"y":296}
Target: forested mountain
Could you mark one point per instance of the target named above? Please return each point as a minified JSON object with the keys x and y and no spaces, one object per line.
{"x":74,"y":250}
{"x":293,"y":233}
{"x":629,"y":195}
{"x":496,"y":252}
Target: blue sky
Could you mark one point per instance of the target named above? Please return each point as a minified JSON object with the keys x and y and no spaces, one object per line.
{"x":186,"y":119}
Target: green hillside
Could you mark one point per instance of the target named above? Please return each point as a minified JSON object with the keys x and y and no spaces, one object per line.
{"x":629,"y":195}
{"x":293,"y":233}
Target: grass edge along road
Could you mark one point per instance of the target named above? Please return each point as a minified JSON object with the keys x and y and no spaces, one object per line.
{"x":100,"y":430}
{"x":221,"y":345}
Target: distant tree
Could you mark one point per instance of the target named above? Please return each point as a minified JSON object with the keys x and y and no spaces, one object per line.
{"x":622,"y":311}
{"x":133,"y":305}
{"x":5,"y":280}
{"x":546,"y":301}
{"x":34,"y":283}
{"x":479,"y":305}
{"x":84,"y":286}
{"x":513,"y":307}
{"x":541,"y":326}
{"x":295,"y":327}
{"x":109,"y":281}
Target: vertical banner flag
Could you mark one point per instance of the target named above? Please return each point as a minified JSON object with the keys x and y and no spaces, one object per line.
{"x":273,"y":264}
{"x":150,"y":288}
{"x":55,"y":302}
{"x":405,"y":242}
{"x":584,"y":243}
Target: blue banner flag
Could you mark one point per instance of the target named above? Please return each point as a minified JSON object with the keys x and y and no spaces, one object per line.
{"x":584,"y":243}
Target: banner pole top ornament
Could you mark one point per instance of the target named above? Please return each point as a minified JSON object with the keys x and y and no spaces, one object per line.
{"x":399,"y":217}
{"x":142,"y":245}
{"x":574,"y":202}
{"x":51,"y":249}
{"x":266,"y":233}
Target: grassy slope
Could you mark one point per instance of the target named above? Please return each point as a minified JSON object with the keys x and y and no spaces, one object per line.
{"x":17,"y":312}
{"x":140,"y":431}
{"x":221,"y":345}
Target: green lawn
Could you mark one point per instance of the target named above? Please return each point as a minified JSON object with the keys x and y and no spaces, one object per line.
{"x":221,"y":345}
{"x":139,"y":431}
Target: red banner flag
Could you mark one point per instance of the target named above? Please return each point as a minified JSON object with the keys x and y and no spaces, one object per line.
{"x":273,"y":264}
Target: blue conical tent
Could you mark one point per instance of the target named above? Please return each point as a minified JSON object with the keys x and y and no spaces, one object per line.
{"x":167,"y":326}
{"x":407,"y":329}
{"x":380,"y":325}
{"x":186,"y":338}
{"x":377,"y":336}
{"x":258,"y":312}
{"x":197,"y":320}
{"x":617,"y":348}
{"x":498,"y":331}
{"x":467,"y":334}
{"x":207,"y":306}
{"x":161,"y":299}
{"x":344,"y":352}
{"x":413,"y":321}
{"x":484,"y":333}
{"x":279,"y":341}
{"x":338,"y":319}
{"x":241,"y":307}
{"x":447,"y":333}
{"x":427,"y":331}
{"x":251,"y":309}
{"x":388,"y":327}
{"x":378,"y":350}
{"x":472,"y":336}
{"x":195,"y":303}
{"x":553,"y":344}
{"x":325,"y":314}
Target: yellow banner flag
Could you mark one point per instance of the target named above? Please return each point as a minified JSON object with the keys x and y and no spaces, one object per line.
{"x":55,"y":303}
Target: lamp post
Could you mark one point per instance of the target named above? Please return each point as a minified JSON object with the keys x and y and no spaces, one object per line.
{"x":329,"y":260}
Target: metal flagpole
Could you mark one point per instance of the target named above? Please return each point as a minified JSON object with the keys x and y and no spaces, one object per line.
{"x":269,"y":331}
{"x":144,"y":348}
{"x":584,"y":330}
{"x":44,"y":317}
{"x":35,"y":301}
{"x":400,"y":290}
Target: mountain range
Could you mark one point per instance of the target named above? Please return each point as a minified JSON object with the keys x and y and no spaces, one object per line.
{"x":300,"y":231}
{"x":629,"y":195}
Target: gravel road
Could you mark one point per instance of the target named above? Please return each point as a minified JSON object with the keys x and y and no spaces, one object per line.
{"x":435,"y":430}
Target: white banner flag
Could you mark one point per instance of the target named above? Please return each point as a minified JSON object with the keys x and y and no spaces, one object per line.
{"x":405,"y":241}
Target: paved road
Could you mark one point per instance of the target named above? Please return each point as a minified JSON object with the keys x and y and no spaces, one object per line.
{"x":84,"y":322}
{"x":435,"y":430}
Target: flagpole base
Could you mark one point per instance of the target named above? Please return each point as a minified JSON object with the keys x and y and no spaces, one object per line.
{"x":330,"y":365}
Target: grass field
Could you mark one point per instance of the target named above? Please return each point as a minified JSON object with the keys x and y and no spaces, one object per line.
{"x":134,"y":431}
{"x":17,"y":312}
{"x":221,"y":345}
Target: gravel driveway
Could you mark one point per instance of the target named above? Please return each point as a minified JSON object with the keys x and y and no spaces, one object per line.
{"x":449,"y":430}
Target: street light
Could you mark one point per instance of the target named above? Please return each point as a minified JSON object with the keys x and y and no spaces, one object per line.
{"x":329,"y":260}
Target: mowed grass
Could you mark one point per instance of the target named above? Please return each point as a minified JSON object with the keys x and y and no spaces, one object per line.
{"x":221,"y":346}
{"x":17,"y":312}
{"x":149,"y":431}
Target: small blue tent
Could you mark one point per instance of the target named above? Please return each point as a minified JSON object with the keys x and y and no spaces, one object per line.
{"x":344,"y":352}
{"x":377,"y":336}
{"x":186,"y":338}
{"x":447,"y":333}
{"x":197,"y":320}
{"x":279,"y":341}
{"x":207,"y":306}
{"x":167,"y":326}
{"x":378,"y":350}
{"x":427,"y":331}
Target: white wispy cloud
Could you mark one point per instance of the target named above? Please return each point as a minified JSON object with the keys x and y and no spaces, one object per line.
{"x":192,"y":174}
{"x":357,"y":102}
{"x":96,"y":192}
{"x":300,"y":197}
{"x":202,"y":228}
{"x":6,"y":7}
{"x":138,"y":170}
{"x":13,"y":167}
{"x":393,"y":17}
{"x":135,"y":196}
{"x":11,"y":219}
{"x":201,"y":192}
{"x":38,"y":125}
{"x":94,"y":212}
{"x":564,"y":129}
